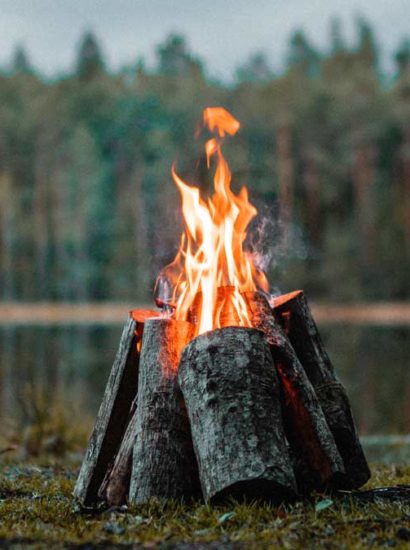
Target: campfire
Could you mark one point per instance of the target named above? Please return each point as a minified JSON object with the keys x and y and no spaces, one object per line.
{"x":225,"y":391}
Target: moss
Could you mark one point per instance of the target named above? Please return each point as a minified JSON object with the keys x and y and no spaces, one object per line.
{"x":36,"y":507}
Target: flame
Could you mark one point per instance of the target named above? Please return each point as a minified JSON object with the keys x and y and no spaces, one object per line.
{"x":211,"y":253}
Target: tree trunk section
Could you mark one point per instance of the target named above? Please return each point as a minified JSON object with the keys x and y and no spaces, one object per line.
{"x":317,"y":459}
{"x":115,"y":487}
{"x":114,"y":412}
{"x":164,"y":463}
{"x":312,"y":183}
{"x":8,"y":236}
{"x":293,"y":313}
{"x":363,"y":184}
{"x":232,"y":395}
{"x":405,"y":160}
{"x":286,"y":179}
{"x":228,"y":316}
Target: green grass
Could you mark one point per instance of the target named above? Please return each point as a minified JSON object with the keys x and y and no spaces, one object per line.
{"x":37,"y":509}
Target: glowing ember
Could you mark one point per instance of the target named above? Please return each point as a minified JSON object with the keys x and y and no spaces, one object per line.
{"x":211,"y":253}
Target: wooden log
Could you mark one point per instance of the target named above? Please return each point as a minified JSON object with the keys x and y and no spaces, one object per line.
{"x":317,"y":461}
{"x":228,"y":316}
{"x":140,"y":316}
{"x":115,"y":487}
{"x":114,"y":411}
{"x":164,"y":464}
{"x":231,"y":392}
{"x":293,"y":313}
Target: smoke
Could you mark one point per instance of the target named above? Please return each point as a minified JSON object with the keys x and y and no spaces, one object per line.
{"x":273,"y":243}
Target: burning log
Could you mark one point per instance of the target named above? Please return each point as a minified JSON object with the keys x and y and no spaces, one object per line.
{"x":228,"y":316}
{"x":114,"y":411}
{"x":262,"y":401}
{"x":293,"y":313}
{"x":316,"y":457}
{"x":231,"y":392}
{"x":164,"y":463}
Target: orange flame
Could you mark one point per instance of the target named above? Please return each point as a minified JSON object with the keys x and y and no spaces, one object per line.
{"x":211,"y":253}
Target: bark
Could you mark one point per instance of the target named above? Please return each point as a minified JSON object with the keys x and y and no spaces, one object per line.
{"x":115,"y":487}
{"x":317,"y":459}
{"x":293,"y":313}
{"x":164,"y":463}
{"x":114,"y":412}
{"x":232,"y":395}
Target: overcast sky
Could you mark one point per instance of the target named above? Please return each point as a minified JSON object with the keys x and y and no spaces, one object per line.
{"x":222,"y":32}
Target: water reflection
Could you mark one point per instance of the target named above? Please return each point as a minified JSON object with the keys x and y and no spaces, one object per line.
{"x":374,"y":364}
{"x":74,"y":362}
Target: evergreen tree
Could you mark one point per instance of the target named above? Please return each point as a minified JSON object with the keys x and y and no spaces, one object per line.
{"x":337,"y":41}
{"x":367,"y":47}
{"x":174,"y":59}
{"x":90,"y":62}
{"x":88,"y":200}
{"x":256,"y":69}
{"x":402,"y":57}
{"x":302,"y":55}
{"x":20,"y":63}
{"x":88,"y":209}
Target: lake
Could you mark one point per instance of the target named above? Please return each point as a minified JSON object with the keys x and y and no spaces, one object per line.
{"x":72,"y":363}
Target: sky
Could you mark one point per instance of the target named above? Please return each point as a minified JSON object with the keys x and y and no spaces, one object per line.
{"x":221,"y":32}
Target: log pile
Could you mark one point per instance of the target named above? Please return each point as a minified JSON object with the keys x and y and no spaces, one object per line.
{"x":249,"y":413}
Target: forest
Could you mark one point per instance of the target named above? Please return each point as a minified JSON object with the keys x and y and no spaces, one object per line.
{"x":88,"y":209}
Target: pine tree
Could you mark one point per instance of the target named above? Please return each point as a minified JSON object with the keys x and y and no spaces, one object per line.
{"x":20,"y":63}
{"x":174,"y":59}
{"x":302,"y":55}
{"x":402,"y":57}
{"x":367,"y":47}
{"x":256,"y":69}
{"x":90,"y":62}
{"x":337,"y":41}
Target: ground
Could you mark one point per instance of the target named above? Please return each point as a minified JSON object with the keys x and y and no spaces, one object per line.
{"x":37,"y":511}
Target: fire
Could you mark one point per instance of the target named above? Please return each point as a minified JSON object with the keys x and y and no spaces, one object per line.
{"x":211,"y":253}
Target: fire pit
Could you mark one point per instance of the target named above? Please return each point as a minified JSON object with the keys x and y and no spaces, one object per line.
{"x":226,"y":391}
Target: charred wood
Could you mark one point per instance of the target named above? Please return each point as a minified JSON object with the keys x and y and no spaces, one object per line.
{"x":293,"y":313}
{"x":316,"y":457}
{"x":224,"y":305}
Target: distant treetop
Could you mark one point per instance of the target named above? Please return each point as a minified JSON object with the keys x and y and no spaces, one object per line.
{"x":20,"y":63}
{"x":403,"y":57}
{"x":174,"y":57}
{"x":90,"y":61}
{"x":255,"y":69}
{"x":302,"y":54}
{"x":337,"y":41}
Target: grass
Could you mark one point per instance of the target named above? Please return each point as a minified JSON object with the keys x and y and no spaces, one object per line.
{"x":38,"y":511}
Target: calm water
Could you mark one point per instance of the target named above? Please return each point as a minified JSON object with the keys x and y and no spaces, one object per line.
{"x":72,"y":364}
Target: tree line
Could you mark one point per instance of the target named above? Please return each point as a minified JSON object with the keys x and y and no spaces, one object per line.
{"x":88,"y":210}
